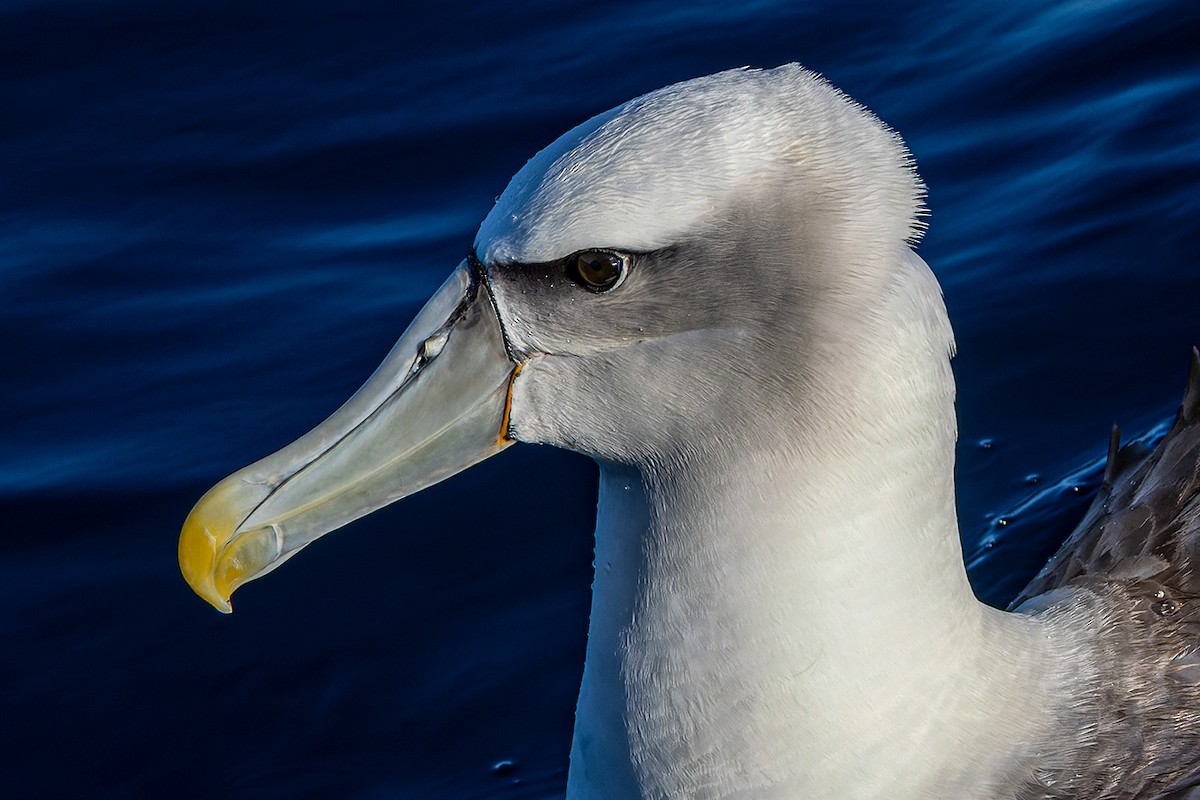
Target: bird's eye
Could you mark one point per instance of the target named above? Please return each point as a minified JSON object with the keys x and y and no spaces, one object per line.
{"x":596,"y":270}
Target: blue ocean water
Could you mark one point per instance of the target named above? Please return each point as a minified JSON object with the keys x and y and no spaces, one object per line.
{"x":216,"y":217}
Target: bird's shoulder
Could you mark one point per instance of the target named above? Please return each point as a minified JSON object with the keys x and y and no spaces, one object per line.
{"x":1135,"y":556}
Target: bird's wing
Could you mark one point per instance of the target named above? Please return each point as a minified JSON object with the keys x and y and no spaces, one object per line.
{"x":1144,"y":524}
{"x":1137,"y":551}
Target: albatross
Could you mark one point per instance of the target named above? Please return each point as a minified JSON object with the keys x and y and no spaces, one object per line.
{"x":712,"y":290}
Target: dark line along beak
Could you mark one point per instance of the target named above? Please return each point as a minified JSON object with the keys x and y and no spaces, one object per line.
{"x":438,"y":404}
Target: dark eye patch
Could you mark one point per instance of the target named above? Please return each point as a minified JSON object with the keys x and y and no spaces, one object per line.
{"x":598,"y":271}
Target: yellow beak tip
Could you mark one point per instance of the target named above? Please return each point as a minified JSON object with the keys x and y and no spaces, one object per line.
{"x":224,"y":606}
{"x":205,"y":532}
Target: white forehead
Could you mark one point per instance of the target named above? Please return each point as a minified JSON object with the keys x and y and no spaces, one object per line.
{"x":646,"y":173}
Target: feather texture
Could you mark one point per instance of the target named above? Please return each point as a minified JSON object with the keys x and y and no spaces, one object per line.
{"x":1129,"y":574}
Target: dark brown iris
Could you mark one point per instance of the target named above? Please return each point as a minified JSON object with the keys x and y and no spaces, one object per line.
{"x":596,"y":270}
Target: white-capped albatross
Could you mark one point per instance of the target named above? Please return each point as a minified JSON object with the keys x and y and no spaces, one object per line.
{"x":712,"y":291}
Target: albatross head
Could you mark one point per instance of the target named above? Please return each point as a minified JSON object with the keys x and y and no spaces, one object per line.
{"x":683,"y":273}
{"x":711,"y":290}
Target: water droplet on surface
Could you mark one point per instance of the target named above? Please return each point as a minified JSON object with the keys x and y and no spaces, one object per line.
{"x":1032,"y":478}
{"x":504,"y":767}
{"x":986,"y":444}
{"x":1166,"y":608}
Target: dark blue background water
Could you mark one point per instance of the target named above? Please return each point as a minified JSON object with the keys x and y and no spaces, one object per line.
{"x":216,"y":217}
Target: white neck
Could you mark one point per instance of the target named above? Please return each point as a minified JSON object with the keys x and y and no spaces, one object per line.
{"x":795,"y":621}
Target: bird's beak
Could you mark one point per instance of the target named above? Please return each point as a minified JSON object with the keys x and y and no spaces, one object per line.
{"x":437,"y":405}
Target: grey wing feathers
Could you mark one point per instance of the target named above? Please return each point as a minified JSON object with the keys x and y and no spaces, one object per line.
{"x":1136,"y":554}
{"x":1145,"y":521}
{"x":1186,"y":789}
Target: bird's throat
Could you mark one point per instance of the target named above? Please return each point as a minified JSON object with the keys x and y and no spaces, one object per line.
{"x":793,"y":618}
